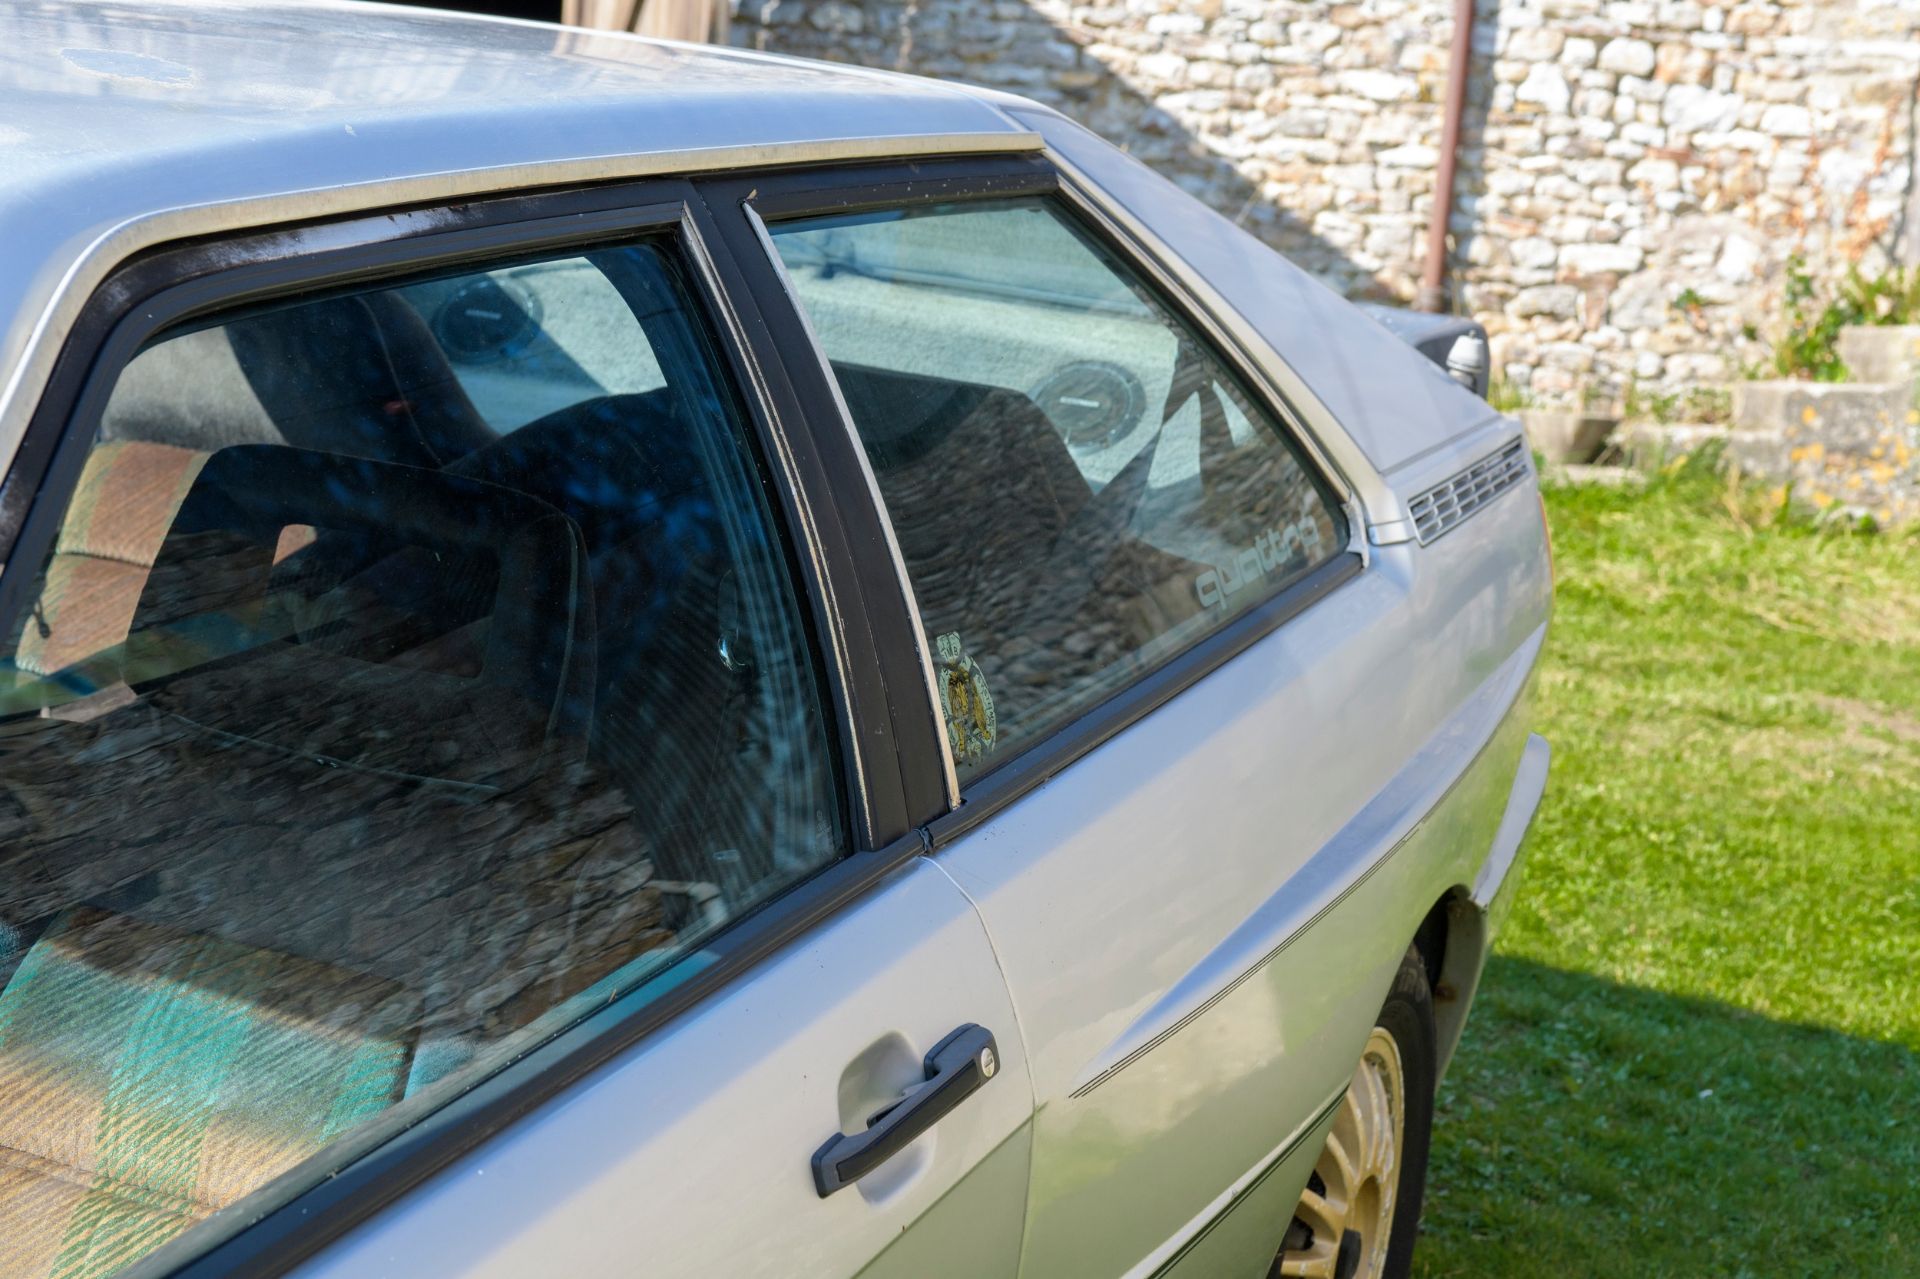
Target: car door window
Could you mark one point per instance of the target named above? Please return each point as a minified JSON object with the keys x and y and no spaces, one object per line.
{"x":1080,"y":487}
{"x":413,"y":670}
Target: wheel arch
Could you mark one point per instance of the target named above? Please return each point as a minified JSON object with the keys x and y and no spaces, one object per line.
{"x":1452,"y":942}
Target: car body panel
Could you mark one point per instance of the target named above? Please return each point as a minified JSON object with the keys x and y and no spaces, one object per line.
{"x":692,"y":1150}
{"x":1238,"y":1238}
{"x":1161,"y":906}
{"x":1395,"y":822}
{"x":948,"y":1237}
{"x":1180,"y":938}
{"x":1475,"y":919}
{"x":1183,"y":1010}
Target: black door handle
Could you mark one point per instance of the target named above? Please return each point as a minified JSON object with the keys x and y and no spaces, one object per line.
{"x":956,"y":1067}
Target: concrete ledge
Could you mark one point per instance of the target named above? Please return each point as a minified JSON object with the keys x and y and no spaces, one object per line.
{"x":1881,"y":353}
{"x":1566,"y":435}
{"x":1852,"y":408}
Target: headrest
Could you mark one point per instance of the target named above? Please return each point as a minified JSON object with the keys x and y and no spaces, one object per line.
{"x":609,"y":463}
{"x":187,"y":390}
{"x":360,"y":375}
{"x":114,"y":525}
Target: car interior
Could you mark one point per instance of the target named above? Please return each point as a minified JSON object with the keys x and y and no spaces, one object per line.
{"x":360,"y":732}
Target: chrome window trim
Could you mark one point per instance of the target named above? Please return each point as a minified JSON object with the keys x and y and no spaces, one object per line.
{"x":950,"y":776}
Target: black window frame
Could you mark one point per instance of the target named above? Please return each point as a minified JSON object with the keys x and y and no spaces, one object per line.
{"x":761,"y":200}
{"x":292,"y":1218}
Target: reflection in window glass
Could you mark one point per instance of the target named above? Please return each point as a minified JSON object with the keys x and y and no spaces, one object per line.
{"x":1080,"y":488}
{"x":412,"y":671}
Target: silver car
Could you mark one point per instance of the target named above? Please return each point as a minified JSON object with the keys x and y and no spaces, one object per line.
{"x":626,"y":658}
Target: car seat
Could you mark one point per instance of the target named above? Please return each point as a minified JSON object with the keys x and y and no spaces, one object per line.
{"x":672,"y":720}
{"x":149,"y":1077}
{"x":1005,"y":542}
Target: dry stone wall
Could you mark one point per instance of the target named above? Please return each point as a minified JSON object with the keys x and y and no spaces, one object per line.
{"x":1634,"y":176}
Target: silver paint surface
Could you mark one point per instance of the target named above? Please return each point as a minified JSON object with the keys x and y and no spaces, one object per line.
{"x":689,"y":1155}
{"x":1180,"y":940}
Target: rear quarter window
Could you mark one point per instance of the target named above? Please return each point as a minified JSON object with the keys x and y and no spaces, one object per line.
{"x":1081,"y":487}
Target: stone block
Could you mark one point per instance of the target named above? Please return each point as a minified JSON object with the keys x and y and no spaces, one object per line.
{"x":1655,"y":175}
{"x":1561,"y":301}
{"x":1738,"y":260}
{"x":1689,"y":109}
{"x":1379,"y":86}
{"x":1534,"y":252}
{"x":1784,"y":120}
{"x":1170,"y":68}
{"x":1835,"y":415}
{"x":1752,"y":19}
{"x":1536,"y":44}
{"x":1411,"y":156}
{"x":1545,"y":87}
{"x":1566,"y":435}
{"x":1574,"y":357}
{"x":1317,"y":36}
{"x":1594,"y":259}
{"x":837,"y":18}
{"x":1627,"y":56}
{"x":1881,"y":353}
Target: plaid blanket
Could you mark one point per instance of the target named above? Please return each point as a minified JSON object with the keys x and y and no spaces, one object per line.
{"x":150,"y":1076}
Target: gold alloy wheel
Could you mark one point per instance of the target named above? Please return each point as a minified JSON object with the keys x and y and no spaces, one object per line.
{"x":1344,"y":1223}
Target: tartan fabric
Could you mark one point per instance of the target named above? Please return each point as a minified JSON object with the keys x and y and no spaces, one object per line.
{"x":126,"y":499}
{"x":86,"y":607}
{"x":149,"y":1076}
{"x":121,"y":510}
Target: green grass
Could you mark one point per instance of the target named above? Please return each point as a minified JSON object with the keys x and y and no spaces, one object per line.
{"x":1697,"y":1048}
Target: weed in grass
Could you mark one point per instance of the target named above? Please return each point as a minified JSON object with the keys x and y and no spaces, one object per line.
{"x":1815,"y":315}
{"x":1508,"y":397}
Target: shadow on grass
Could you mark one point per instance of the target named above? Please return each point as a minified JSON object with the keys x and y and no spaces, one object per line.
{"x":1589,"y":1128}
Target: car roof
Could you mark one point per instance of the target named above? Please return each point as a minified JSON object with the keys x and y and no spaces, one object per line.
{"x":126,"y":122}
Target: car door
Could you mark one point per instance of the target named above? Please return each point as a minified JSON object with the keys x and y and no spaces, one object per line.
{"x":1144,"y":608}
{"x":453,"y":829}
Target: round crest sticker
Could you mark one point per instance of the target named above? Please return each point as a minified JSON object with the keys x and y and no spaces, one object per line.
{"x":972,"y":726}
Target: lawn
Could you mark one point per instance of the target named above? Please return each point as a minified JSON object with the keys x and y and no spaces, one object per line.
{"x":1697,"y":1048}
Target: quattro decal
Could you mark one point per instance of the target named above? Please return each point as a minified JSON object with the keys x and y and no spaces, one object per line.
{"x":1276,"y":550}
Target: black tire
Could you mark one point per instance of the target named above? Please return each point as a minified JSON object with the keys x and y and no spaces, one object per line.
{"x":1408,"y":1017}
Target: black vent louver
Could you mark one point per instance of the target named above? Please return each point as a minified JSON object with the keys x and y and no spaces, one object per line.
{"x":1451,"y":501}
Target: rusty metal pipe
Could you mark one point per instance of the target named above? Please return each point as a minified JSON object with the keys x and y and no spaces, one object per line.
{"x":1433,"y":278}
